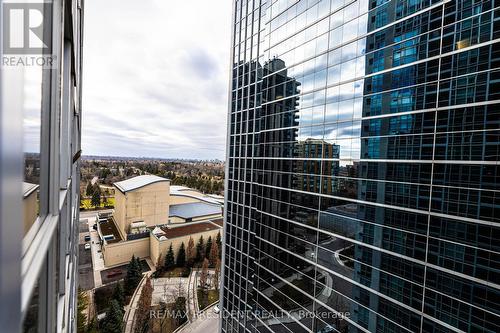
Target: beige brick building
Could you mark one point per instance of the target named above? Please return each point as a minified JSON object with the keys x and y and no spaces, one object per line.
{"x":141,"y":199}
{"x":144,"y":204}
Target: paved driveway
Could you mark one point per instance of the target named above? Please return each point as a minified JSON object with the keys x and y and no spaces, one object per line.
{"x":85,"y":268}
{"x":85,"y":271}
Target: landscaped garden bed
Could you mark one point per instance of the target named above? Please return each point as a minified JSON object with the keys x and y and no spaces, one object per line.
{"x":206,"y":297}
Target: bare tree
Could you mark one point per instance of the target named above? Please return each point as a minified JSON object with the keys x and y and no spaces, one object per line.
{"x":204,"y":274}
{"x":164,"y":307}
{"x":142,"y":312}
{"x":180,"y":289}
{"x":165,"y":293}
{"x":159,"y":264}
{"x":217,"y":274}
{"x":190,"y":252}
{"x":214,"y":254}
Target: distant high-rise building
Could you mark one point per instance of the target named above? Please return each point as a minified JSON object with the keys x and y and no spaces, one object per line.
{"x":363,"y":168}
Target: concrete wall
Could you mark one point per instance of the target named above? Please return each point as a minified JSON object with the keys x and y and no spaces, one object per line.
{"x":161,"y":247}
{"x":193,"y":192}
{"x":176,"y":220}
{"x":119,"y":213}
{"x":149,"y":204}
{"x":179,"y":199}
{"x":121,"y":252}
{"x":30,"y":208}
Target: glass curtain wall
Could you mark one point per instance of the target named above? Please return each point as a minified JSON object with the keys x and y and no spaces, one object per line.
{"x":362,"y":165}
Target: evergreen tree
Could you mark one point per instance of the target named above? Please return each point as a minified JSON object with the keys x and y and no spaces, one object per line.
{"x":181,"y":256}
{"x":209,"y":247}
{"x":89,"y":190}
{"x":119,"y":294}
{"x":92,"y":326}
{"x":96,"y":198}
{"x":82,"y":304}
{"x":199,"y":250}
{"x":134,"y":275}
{"x":218,"y":240}
{"x":139,"y":267}
{"x":113,"y":322}
{"x":169,"y":258}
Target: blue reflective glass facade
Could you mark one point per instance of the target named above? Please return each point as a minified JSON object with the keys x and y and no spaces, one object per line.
{"x":363,"y":167}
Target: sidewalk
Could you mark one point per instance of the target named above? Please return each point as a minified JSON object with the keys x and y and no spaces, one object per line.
{"x":207,"y":322}
{"x":192,"y":299}
{"x":130,"y":309}
{"x":199,"y":321}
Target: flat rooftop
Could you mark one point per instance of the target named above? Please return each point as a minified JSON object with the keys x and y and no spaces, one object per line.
{"x":195,"y":209}
{"x":183,"y":191}
{"x":109,"y":228}
{"x":174,"y":232}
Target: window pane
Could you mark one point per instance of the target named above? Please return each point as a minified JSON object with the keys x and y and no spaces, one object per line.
{"x":31,"y":145}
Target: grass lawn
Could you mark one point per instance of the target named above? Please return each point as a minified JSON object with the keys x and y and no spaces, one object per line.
{"x":85,"y":204}
{"x":206,"y":298}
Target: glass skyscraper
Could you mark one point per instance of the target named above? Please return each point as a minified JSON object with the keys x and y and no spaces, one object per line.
{"x":363,"y":168}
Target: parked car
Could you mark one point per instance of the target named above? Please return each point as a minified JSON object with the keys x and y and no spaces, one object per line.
{"x":87,"y":238}
{"x":94,"y":226}
{"x":216,"y":309}
{"x":87,"y":246}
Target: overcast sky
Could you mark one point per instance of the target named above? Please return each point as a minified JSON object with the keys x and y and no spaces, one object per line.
{"x":155,"y":78}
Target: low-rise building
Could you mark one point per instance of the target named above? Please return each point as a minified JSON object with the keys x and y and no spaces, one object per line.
{"x":175,"y":235}
{"x":150,"y":215}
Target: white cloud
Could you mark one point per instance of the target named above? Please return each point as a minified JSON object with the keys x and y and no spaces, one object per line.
{"x":156,"y":78}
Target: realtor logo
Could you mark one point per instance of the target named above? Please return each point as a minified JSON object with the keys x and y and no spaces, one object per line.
{"x":23,"y":28}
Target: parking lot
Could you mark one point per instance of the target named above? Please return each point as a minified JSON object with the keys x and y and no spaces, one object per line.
{"x":85,"y":268}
